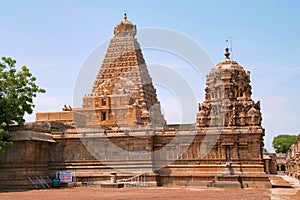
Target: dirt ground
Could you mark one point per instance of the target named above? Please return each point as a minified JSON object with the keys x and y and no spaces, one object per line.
{"x":140,"y":193}
{"x":283,"y":191}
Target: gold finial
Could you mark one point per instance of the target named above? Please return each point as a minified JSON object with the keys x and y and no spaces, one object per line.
{"x":125,"y":15}
{"x":227,"y":54}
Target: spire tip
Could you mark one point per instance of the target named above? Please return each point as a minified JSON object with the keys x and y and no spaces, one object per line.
{"x":125,"y":15}
{"x":227,"y":54}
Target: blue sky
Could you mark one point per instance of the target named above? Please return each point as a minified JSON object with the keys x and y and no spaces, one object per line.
{"x":53,"y":38}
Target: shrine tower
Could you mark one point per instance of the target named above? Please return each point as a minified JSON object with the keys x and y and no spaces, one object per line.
{"x":123,"y":93}
{"x":232,"y":119}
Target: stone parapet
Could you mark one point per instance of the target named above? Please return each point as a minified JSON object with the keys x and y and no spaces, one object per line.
{"x":68,"y":117}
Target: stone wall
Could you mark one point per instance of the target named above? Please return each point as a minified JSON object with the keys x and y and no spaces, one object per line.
{"x":270,"y":163}
{"x":293,"y":159}
{"x":93,"y":154}
{"x":281,"y":162}
{"x":168,"y":156}
{"x":209,"y":155}
{"x":28,"y":157}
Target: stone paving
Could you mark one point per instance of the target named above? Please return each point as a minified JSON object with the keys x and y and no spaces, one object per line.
{"x":292,"y":193}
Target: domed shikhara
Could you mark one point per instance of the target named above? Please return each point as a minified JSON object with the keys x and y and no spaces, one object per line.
{"x":125,"y":27}
{"x":228,"y":97}
{"x":228,"y":80}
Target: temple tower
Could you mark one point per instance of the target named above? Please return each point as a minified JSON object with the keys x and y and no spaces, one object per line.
{"x":232,"y":119}
{"x":123,"y":93}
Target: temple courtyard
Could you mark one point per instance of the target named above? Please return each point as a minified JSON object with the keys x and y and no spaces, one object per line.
{"x":284,"y":187}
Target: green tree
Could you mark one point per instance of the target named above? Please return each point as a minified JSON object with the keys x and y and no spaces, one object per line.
{"x":17,"y":90}
{"x":282,"y":143}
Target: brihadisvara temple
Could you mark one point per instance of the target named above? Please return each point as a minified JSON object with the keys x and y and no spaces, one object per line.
{"x":119,"y":135}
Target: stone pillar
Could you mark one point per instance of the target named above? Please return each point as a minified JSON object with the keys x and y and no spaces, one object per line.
{"x":113,"y":177}
{"x":267,"y":166}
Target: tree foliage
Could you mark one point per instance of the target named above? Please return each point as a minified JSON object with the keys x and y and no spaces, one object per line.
{"x":282,"y":143}
{"x":4,"y":138}
{"x":17,"y":90}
